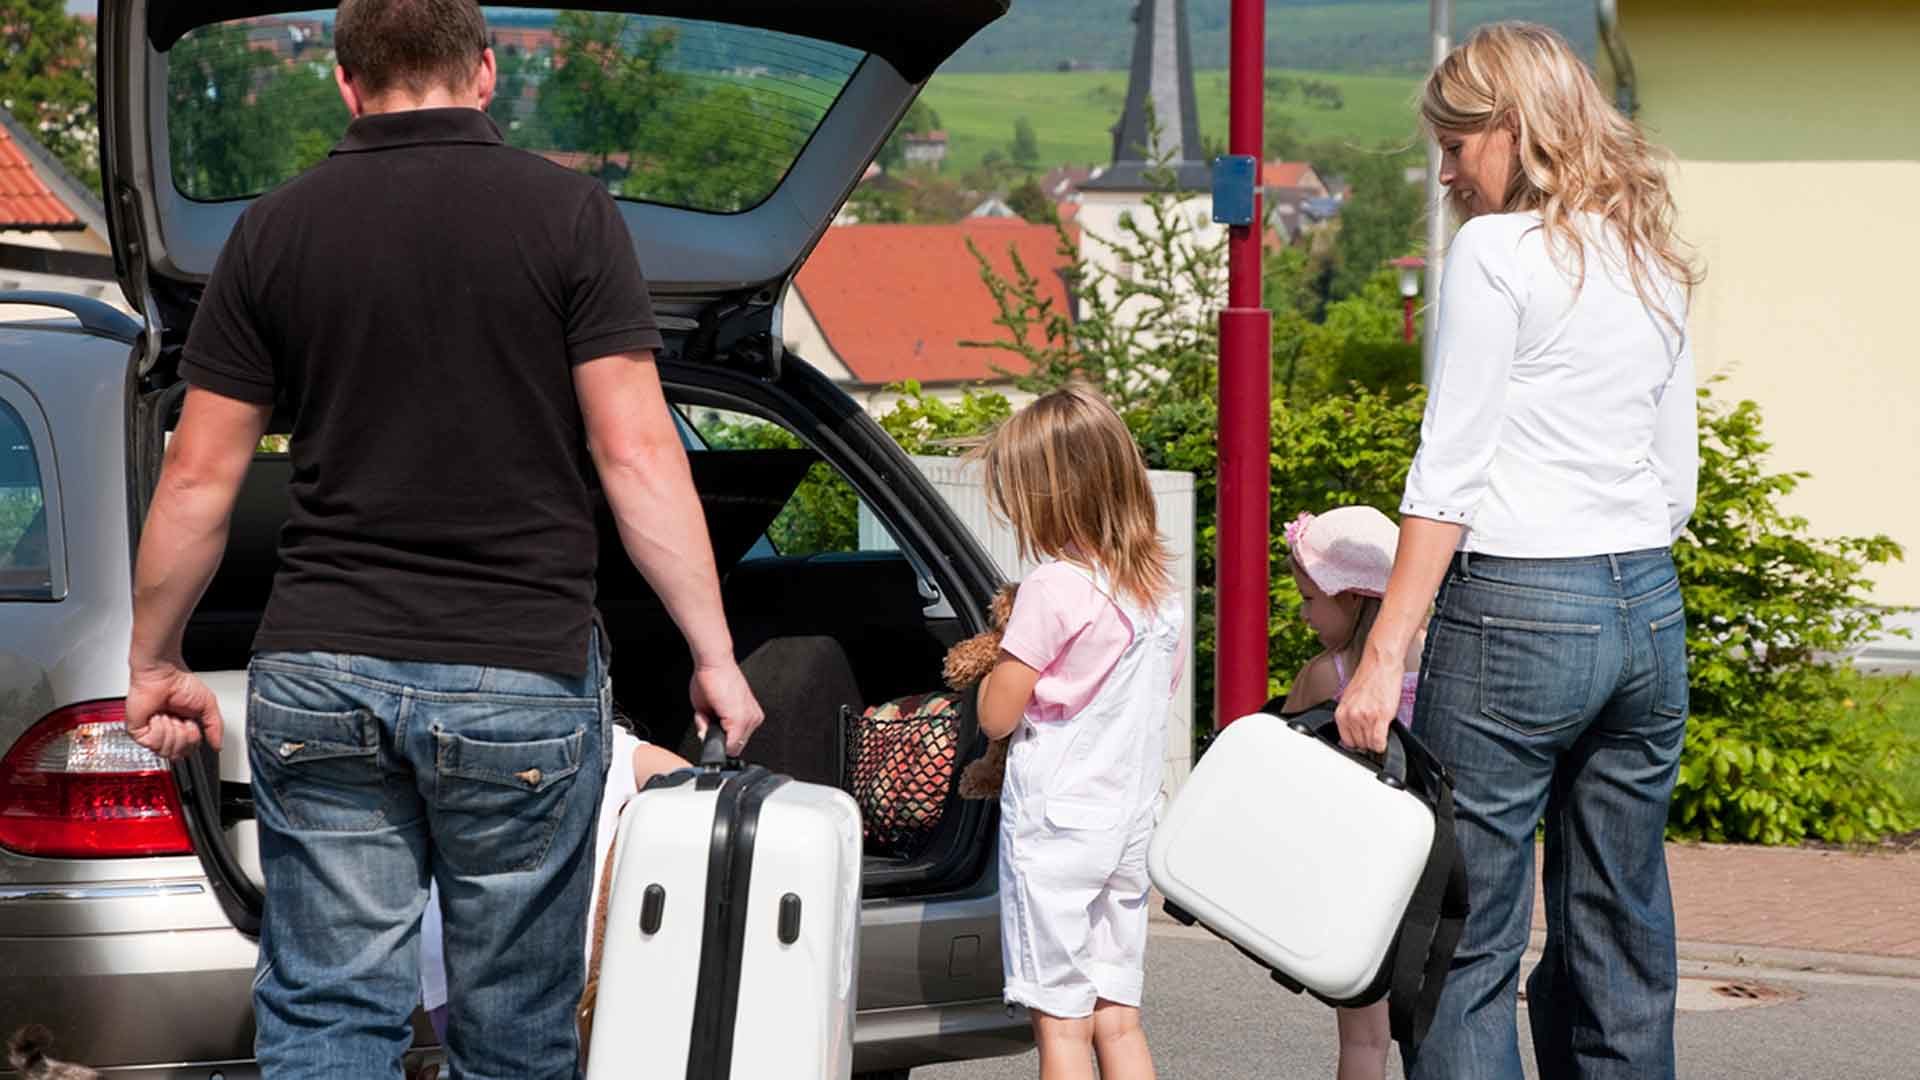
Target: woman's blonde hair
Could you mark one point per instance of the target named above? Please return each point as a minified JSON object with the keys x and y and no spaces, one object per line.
{"x":1575,"y":152}
{"x":1067,"y":475}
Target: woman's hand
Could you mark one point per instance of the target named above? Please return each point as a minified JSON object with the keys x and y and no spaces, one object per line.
{"x":1370,"y":702}
{"x":1373,"y":697}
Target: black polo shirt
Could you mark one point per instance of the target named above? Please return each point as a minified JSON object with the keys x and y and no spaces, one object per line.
{"x":418,"y":301}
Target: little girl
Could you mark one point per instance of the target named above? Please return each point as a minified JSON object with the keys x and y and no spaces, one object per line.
{"x":1083,"y":686}
{"x":1341,"y":561}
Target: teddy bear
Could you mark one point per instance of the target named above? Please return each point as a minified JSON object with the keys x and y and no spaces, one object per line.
{"x":967,"y":663}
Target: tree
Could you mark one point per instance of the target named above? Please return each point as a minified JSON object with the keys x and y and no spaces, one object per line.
{"x":605,"y":88}
{"x":240,"y":120}
{"x":921,"y":197}
{"x":1778,"y":749}
{"x":1284,"y":140}
{"x":223,"y":145}
{"x":1025,"y":149}
{"x":304,"y":106}
{"x":46,"y":81}
{"x":1032,"y":204}
{"x":521,"y":126}
{"x":692,"y":154}
{"x":1378,"y":222}
{"x":1141,"y":337}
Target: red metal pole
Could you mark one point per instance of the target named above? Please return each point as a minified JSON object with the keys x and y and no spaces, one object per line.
{"x":1406,"y":319}
{"x":1246,"y":396}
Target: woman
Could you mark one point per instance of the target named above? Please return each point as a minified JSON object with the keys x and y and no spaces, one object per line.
{"x":1556,"y":467}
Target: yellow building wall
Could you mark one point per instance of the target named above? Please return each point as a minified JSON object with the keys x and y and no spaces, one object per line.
{"x":1796,"y":126}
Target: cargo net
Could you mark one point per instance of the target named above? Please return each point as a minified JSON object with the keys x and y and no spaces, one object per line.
{"x":900,"y":759}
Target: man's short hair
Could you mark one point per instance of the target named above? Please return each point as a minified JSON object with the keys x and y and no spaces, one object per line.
{"x":418,"y":44}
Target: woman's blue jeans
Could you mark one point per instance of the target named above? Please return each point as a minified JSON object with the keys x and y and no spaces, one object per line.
{"x":1556,"y":691}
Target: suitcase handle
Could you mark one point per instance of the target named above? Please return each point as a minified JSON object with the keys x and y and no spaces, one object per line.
{"x":713,"y":748}
{"x":1402,"y":746}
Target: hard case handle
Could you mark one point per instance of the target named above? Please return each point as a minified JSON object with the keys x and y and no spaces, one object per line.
{"x":1404,"y":750}
{"x":713,"y":748}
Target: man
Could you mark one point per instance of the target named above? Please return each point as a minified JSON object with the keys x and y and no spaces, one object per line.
{"x":457,"y":329}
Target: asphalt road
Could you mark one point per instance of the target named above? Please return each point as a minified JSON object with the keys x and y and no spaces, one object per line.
{"x":1210,"y":1014}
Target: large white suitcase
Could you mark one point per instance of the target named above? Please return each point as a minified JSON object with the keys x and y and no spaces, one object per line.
{"x":1338,"y":873}
{"x":732,"y":931}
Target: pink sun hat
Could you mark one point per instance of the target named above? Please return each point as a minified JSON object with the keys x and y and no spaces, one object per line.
{"x":1349,"y":549}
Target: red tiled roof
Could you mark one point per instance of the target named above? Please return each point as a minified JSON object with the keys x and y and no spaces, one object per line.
{"x":1284,"y":173}
{"x":25,"y":200}
{"x":527,"y":39}
{"x":895,"y":301}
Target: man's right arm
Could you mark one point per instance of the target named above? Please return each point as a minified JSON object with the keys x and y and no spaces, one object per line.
{"x":649,"y":486}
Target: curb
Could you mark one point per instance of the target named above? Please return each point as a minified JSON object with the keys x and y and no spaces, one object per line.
{"x":1730,"y":954}
{"x":1779,"y":959}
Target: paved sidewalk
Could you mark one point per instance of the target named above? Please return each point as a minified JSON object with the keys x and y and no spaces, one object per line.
{"x":1808,"y":909}
{"x":1801,"y":907}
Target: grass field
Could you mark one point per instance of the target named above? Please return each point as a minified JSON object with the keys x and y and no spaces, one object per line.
{"x":1072,"y":112}
{"x":1903,"y":701}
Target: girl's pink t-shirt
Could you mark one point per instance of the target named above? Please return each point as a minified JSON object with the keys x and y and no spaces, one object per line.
{"x":1070,"y":632}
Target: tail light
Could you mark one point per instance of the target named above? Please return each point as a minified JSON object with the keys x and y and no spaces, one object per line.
{"x":77,"y":786}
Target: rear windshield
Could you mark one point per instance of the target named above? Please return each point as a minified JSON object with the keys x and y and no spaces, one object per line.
{"x":676,"y":111}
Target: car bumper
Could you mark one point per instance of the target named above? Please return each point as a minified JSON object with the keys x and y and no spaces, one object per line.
{"x":146,"y":978}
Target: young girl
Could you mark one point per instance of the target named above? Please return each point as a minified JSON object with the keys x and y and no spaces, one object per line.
{"x":1341,"y":561}
{"x":1085,"y":679}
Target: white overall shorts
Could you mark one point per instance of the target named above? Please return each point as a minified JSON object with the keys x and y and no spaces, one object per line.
{"x":1076,"y":813}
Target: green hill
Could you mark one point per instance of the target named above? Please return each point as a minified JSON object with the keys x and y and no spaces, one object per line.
{"x":1071,"y":112}
{"x":1320,"y":35}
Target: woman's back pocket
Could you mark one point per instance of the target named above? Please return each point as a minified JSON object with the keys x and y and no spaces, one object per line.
{"x":1537,"y":676}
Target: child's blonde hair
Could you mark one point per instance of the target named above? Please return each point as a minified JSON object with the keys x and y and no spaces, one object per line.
{"x":1067,"y":475}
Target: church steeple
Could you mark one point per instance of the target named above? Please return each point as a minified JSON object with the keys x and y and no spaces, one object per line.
{"x":1160,"y":82}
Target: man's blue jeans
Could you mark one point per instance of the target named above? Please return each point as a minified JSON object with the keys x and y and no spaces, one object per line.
{"x":370,"y":775}
{"x":1556,"y":689}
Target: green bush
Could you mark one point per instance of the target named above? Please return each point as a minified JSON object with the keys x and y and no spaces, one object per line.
{"x":1779,"y":750}
{"x":823,"y":514}
{"x":1347,"y":450}
{"x":929,"y":425}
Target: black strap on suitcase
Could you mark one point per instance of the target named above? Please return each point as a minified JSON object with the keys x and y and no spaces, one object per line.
{"x":1415,"y":969}
{"x":736,"y":818}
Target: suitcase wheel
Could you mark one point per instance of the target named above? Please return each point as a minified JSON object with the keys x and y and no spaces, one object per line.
{"x":1178,"y":914}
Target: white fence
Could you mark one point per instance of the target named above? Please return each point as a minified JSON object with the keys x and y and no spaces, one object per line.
{"x":960,"y":484}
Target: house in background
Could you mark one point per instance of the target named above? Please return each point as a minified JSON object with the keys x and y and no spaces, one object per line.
{"x":1773,"y":109}
{"x":53,"y":230}
{"x":1062,"y":181}
{"x":993,"y":207}
{"x":927,"y":149}
{"x":876,"y":305}
{"x":1289,"y":177}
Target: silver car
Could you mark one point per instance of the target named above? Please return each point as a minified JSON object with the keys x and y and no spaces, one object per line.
{"x":129,"y":892}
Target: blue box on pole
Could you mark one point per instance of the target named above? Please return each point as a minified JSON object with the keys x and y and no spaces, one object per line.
{"x":1233,"y":179}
